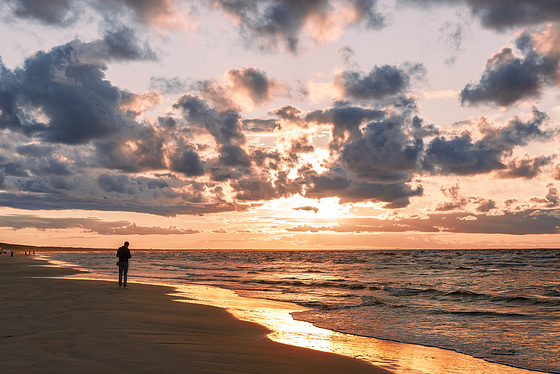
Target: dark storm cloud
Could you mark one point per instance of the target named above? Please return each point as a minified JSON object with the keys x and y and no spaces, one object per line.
{"x":462,"y":155}
{"x":509,"y":78}
{"x":379,"y":83}
{"x":502,"y":14}
{"x":275,"y":22}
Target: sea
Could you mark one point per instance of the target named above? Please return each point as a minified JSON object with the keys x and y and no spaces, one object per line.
{"x":409,"y":311}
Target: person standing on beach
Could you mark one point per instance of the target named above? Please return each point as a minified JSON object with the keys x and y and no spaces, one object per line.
{"x":123,"y":253}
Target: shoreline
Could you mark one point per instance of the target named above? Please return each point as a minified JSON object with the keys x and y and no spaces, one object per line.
{"x":70,"y":325}
{"x":275,"y":315}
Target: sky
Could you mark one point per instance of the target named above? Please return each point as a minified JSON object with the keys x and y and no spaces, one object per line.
{"x":280,"y":124}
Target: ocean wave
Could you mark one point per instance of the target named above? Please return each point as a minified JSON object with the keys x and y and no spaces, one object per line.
{"x":482,"y":313}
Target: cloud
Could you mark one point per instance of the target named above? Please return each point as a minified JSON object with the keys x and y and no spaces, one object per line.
{"x":509,"y":78}
{"x":335,"y":183}
{"x":122,"y":43}
{"x":258,"y":125}
{"x":379,"y":83}
{"x":56,"y":201}
{"x":528,"y":222}
{"x":307,"y":208}
{"x":526,"y":167}
{"x":34,"y":150}
{"x":91,"y":225}
{"x":275,"y":23}
{"x":64,"y":13}
{"x":116,"y":183}
{"x":383,"y":152}
{"x":154,"y":12}
{"x":224,"y":126}
{"x":62,"y":95}
{"x":252,"y":83}
{"x":290,"y":114}
{"x":50,"y":12}
{"x":504,"y":14}
{"x":137,"y":149}
{"x":188,"y":162}
{"x":241,"y":88}
{"x":456,"y":201}
{"x":345,"y":118}
{"x":461,"y":155}
{"x":552,"y":196}
{"x":485,"y":205}
{"x":452,"y":35}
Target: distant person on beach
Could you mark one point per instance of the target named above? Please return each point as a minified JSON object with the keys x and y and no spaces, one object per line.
{"x":123,"y":253}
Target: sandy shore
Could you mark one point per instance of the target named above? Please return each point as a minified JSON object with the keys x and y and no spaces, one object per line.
{"x":78,"y":326}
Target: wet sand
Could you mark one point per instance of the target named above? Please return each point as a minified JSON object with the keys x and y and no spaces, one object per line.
{"x":70,"y":325}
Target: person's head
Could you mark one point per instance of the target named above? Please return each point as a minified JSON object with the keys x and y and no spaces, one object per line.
{"x":126,"y":244}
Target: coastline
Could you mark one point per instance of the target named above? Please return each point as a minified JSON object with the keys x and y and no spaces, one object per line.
{"x":71,"y":325}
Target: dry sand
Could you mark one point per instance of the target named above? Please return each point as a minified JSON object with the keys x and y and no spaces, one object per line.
{"x":83,"y":326}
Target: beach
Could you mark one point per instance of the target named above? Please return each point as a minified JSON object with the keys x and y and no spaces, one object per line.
{"x":90,"y":326}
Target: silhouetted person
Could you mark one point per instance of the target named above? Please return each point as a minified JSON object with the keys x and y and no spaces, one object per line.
{"x":123,"y":253}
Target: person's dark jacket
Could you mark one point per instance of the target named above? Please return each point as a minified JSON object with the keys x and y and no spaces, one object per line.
{"x":123,"y":253}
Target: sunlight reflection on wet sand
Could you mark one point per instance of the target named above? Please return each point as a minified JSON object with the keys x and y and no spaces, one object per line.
{"x":396,"y":357}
